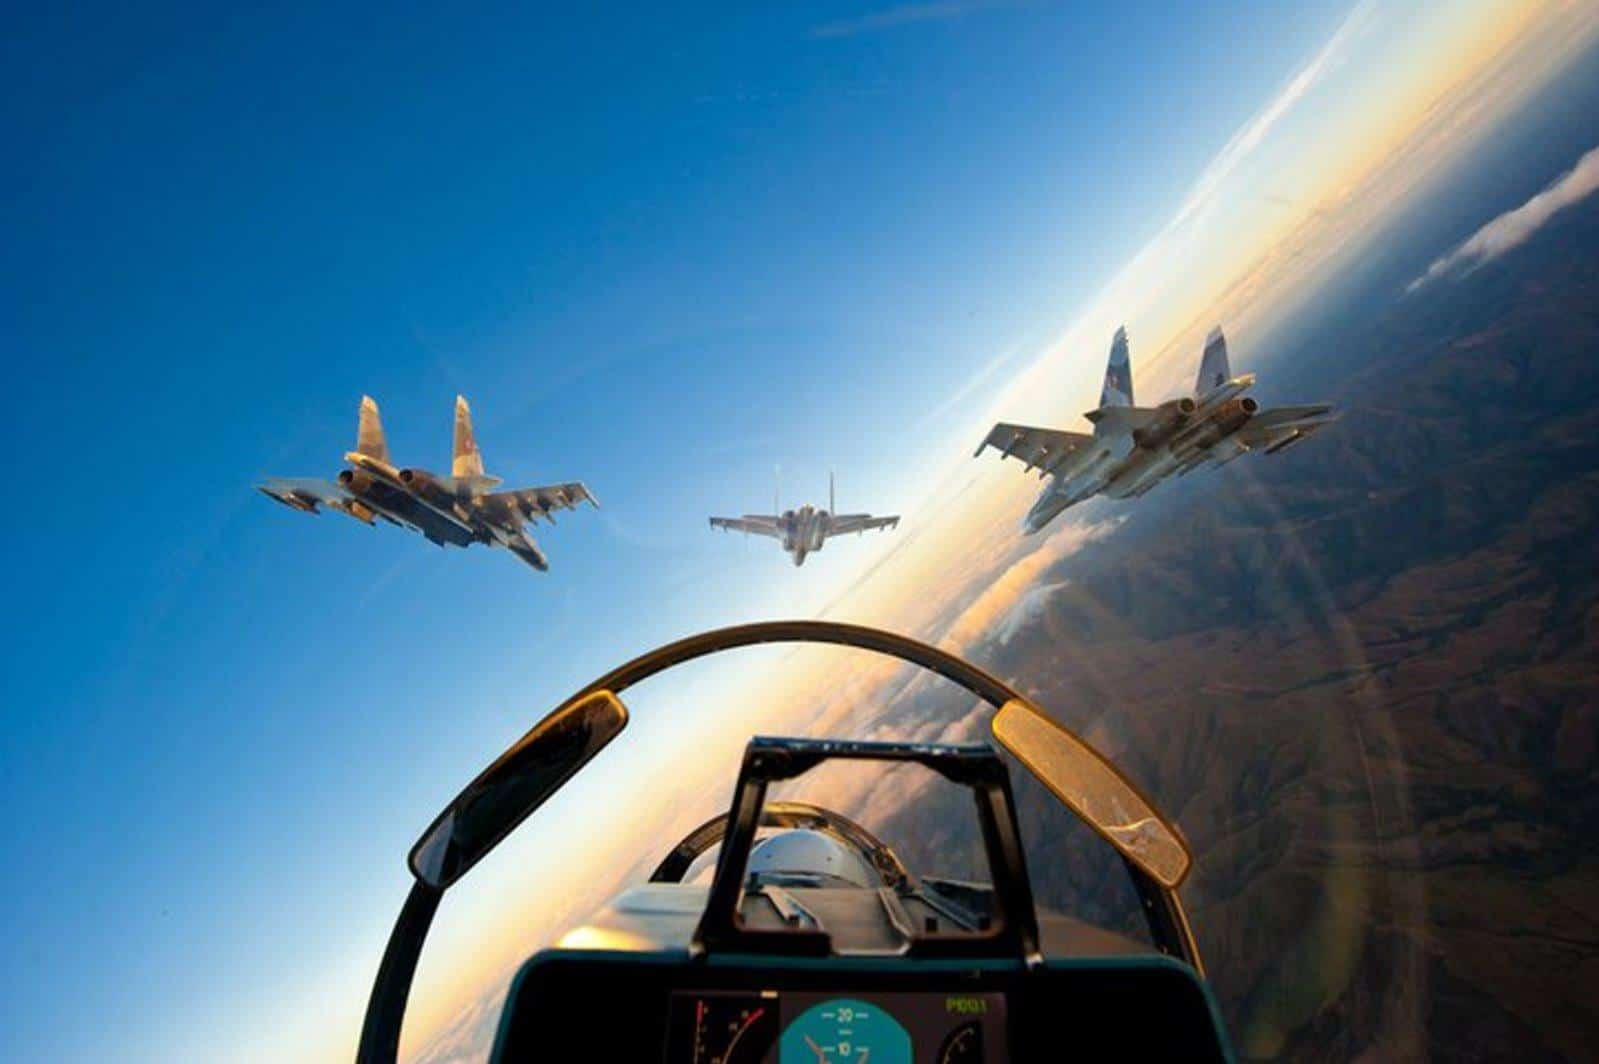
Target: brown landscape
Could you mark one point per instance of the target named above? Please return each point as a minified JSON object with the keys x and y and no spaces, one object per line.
{"x":1364,"y":678}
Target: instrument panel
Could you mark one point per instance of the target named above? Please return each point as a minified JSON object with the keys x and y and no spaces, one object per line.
{"x":773,"y":1027}
{"x":671,"y":1008}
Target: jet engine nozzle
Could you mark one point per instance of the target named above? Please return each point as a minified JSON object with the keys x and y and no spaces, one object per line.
{"x":1170,"y":419}
{"x":1223,"y":421}
{"x":1231,"y":416}
{"x":426,"y":486}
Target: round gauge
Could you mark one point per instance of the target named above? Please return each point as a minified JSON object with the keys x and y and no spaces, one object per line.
{"x":964,"y":1045}
{"x":732,"y":1030}
{"x":844,"y":1031}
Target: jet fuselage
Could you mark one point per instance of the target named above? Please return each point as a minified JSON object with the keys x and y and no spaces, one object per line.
{"x":400,"y":506}
{"x":492,"y":519}
{"x":804,"y":530}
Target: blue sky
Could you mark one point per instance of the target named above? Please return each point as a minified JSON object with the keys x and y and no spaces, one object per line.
{"x":661,"y":252}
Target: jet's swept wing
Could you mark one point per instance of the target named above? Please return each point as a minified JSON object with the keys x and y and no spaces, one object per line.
{"x":1278,"y":421}
{"x":1280,"y":417}
{"x":307,"y":493}
{"x":539,"y":502}
{"x":749,"y":524}
{"x":1044,"y":449}
{"x":844,"y":524}
{"x":1283,"y":426}
{"x":303,"y":493}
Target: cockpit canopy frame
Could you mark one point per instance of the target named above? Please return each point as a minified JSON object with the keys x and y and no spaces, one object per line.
{"x":1014,"y":928}
{"x":553,"y":751}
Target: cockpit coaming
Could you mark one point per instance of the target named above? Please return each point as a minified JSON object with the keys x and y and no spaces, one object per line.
{"x":809,"y":939}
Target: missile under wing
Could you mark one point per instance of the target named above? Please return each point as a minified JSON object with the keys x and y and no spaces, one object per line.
{"x":1046,"y":450}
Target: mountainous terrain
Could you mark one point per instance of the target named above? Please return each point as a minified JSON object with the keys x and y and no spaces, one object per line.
{"x":1364,"y":678}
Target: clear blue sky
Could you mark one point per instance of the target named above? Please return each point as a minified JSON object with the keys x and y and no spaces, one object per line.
{"x":661,"y":252}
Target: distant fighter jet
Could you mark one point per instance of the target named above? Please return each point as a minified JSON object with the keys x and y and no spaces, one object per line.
{"x":806,"y":529}
{"x":1133,"y":448}
{"x":459,"y":509}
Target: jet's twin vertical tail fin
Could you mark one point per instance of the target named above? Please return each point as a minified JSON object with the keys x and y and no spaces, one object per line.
{"x":467,"y":463}
{"x":369,"y":437}
{"x":1118,"y":389}
{"x":1213,"y":368}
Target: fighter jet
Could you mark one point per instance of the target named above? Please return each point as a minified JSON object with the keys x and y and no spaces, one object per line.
{"x":804,"y":530}
{"x":1133,"y":448}
{"x":460,"y":509}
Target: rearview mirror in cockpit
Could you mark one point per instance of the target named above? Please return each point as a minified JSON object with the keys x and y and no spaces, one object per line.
{"x":1094,"y":790}
{"x":510,"y":789}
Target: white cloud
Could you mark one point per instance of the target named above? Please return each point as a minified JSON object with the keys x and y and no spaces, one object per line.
{"x":1515,"y":227}
{"x":980,"y":618}
{"x":1028,"y":609}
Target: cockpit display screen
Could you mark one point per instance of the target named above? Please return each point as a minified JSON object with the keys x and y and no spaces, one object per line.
{"x":768,"y":1027}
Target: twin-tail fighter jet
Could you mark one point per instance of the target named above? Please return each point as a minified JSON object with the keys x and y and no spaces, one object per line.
{"x":804,"y":530}
{"x":1133,"y":448}
{"x":460,"y":509}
